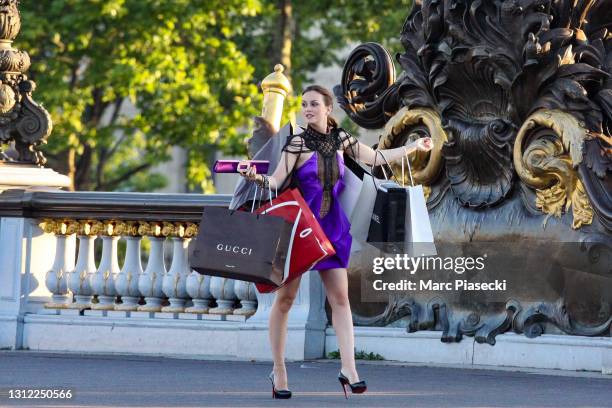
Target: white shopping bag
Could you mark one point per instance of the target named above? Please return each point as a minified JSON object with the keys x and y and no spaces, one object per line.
{"x":353,"y":181}
{"x":419,"y":236}
{"x":363,"y":200}
{"x":358,"y":204}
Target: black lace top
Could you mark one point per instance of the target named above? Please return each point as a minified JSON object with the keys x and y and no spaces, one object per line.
{"x":325,"y":145}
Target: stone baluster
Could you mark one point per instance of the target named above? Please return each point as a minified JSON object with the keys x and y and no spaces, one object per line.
{"x":56,"y":279}
{"x":103,"y":280}
{"x":79,"y":282}
{"x":245,"y":291}
{"x":198,"y":287}
{"x":222,"y":290}
{"x":126,"y":283}
{"x":150,"y":283}
{"x":175,"y":281}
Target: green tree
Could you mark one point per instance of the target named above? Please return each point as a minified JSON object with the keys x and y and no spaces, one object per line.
{"x":176,"y":62}
{"x":188,"y":68}
{"x":306,"y":35}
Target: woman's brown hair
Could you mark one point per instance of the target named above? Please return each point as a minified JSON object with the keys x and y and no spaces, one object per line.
{"x":328,"y":99}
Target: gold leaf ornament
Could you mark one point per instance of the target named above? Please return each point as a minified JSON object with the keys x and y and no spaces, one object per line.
{"x":426,"y":166}
{"x":547,"y":163}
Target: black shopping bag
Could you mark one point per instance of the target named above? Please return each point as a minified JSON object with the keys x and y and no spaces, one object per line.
{"x":241,"y":245}
{"x":388,"y":223}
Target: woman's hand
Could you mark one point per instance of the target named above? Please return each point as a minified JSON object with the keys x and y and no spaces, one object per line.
{"x":424,"y":144}
{"x":247,"y":171}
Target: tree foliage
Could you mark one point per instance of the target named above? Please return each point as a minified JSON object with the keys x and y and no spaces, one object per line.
{"x":321,"y":31}
{"x":176,"y":62}
{"x":124,"y":80}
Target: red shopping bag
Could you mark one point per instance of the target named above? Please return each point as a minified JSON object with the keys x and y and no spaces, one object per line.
{"x":310,"y":244}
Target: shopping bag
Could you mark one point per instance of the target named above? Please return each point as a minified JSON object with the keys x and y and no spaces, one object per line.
{"x":309,"y":245}
{"x":387,"y":229}
{"x":419,"y":236}
{"x":400,"y":221}
{"x":353,"y":180}
{"x":361,"y":214}
{"x":241,"y":245}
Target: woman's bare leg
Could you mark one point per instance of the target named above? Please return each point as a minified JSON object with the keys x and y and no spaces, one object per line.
{"x":336,"y":287}
{"x":277,"y":330}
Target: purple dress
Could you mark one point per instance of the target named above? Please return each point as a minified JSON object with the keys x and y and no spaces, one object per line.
{"x":335,"y":223}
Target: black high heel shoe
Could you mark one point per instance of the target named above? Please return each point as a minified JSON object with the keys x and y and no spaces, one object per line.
{"x":356,"y":388}
{"x":278,"y":394}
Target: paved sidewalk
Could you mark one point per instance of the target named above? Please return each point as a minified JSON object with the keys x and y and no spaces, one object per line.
{"x":128,"y":381}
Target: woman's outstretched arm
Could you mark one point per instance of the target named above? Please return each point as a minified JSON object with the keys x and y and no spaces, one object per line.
{"x":371,"y":157}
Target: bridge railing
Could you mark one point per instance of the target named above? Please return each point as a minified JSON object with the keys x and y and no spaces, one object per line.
{"x":93,"y":282}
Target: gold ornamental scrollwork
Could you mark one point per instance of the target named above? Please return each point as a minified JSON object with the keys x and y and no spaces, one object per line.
{"x":119,"y":228}
{"x":152,"y":229}
{"x":90,"y":227}
{"x":191,"y":230}
{"x":168,"y":229}
{"x":59,"y":226}
{"x":113,"y":228}
{"x":546,"y":162}
{"x":183,"y":229}
{"x":131,"y":228}
{"x":426,"y":166}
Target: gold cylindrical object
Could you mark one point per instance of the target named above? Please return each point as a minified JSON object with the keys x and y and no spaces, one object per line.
{"x":275,"y":88}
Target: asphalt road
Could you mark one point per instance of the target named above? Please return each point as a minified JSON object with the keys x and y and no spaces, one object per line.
{"x":126,"y":381}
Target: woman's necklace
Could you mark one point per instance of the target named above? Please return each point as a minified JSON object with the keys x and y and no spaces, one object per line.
{"x":326,"y":146}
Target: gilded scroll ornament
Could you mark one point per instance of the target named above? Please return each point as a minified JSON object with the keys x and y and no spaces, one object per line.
{"x":59,"y":227}
{"x":131,"y":228}
{"x":168,"y":229}
{"x":426,"y":166}
{"x":153,"y":229}
{"x":191,"y":230}
{"x":118,"y":228}
{"x":548,"y":148}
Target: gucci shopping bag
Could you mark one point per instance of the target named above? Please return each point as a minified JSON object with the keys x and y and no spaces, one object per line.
{"x":242,"y":246}
{"x":309,"y":244}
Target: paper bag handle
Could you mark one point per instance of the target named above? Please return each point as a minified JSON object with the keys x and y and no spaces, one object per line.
{"x":261,"y":195}
{"x":409,"y":170}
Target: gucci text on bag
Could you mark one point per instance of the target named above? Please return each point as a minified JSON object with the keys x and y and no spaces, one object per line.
{"x":235,"y":249}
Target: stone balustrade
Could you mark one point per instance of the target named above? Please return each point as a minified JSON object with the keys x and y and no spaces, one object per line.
{"x":179,"y":289}
{"x":96,"y":290}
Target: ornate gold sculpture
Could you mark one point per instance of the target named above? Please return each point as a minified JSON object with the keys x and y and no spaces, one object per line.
{"x":426,"y":166}
{"x":59,"y":226}
{"x":547,"y":149}
{"x":119,"y":228}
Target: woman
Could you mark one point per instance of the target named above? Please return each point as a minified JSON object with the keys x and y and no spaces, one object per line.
{"x":315,"y":160}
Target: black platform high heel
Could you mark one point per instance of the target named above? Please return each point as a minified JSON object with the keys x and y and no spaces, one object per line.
{"x":278,"y":394}
{"x":356,"y":388}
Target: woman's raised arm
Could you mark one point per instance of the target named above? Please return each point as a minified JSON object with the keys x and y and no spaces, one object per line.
{"x":371,"y":157}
